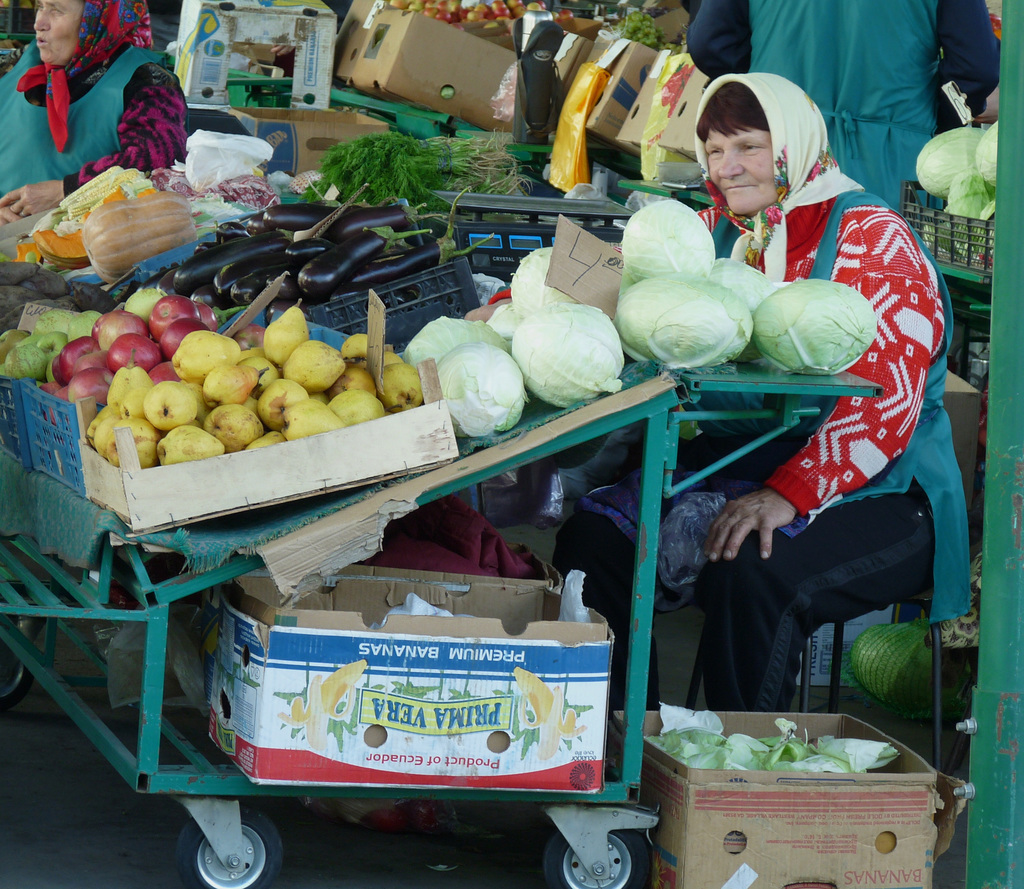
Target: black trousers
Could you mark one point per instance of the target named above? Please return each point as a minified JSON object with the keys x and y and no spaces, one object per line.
{"x":853,"y":558}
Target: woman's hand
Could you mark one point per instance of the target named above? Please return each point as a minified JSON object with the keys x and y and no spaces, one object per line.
{"x":991,"y":112}
{"x":31,"y":199}
{"x":484,"y":312}
{"x":762,"y":511}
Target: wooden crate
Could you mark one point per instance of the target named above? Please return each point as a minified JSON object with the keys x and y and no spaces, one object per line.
{"x":164,"y":496}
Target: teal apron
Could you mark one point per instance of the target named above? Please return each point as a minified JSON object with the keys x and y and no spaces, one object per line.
{"x":929,"y":456}
{"x":31,"y":156}
{"x":871,"y":67}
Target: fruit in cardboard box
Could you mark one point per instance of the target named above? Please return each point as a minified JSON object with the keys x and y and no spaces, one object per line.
{"x":230,"y":383}
{"x":308,"y":417}
{"x":283,"y":334}
{"x":131,"y":404}
{"x":275,"y":398}
{"x":234,"y":426}
{"x":164,"y":372}
{"x":201,"y":351}
{"x":91,"y":381}
{"x":251,"y":336}
{"x":133,"y":348}
{"x":126,"y":378}
{"x":173,"y":334}
{"x":313,"y":365}
{"x":146,"y":440}
{"x":354,"y":376}
{"x":356,"y":406}
{"x":170,"y":404}
{"x":269,"y":438}
{"x":186,"y":443}
{"x":105,"y":413}
{"x":353,"y":349}
{"x":401,"y":388}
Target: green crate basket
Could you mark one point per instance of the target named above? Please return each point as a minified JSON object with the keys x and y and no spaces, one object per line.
{"x":958,"y":241}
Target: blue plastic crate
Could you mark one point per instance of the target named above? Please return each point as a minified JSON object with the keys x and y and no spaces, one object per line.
{"x":51,"y":427}
{"x":12,"y":421}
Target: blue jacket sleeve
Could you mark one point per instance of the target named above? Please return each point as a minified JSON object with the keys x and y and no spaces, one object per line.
{"x":718,"y":37}
{"x":970,"y":55}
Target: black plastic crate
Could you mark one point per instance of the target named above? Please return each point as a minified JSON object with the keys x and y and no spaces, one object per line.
{"x":17,"y":20}
{"x":410,"y":302}
{"x":958,"y":241}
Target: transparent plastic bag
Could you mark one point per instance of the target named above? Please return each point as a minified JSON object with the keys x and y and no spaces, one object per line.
{"x":529,"y":495}
{"x":504,"y":100}
{"x":213,"y":158}
{"x":681,"y":545}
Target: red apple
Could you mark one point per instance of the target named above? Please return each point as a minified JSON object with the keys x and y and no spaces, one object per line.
{"x":250,"y":336}
{"x":110,"y":325}
{"x":92,"y":381}
{"x":176,"y":332}
{"x":133,"y":348}
{"x":64,"y":364}
{"x":62,"y":393}
{"x":90,"y":359}
{"x":207,"y":315}
{"x":168,"y":309}
{"x":51,"y":386}
{"x":164,"y":372}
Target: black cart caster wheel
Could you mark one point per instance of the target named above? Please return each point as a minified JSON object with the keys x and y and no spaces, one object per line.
{"x":200,"y":868}
{"x":15,"y":679}
{"x":629,"y":857}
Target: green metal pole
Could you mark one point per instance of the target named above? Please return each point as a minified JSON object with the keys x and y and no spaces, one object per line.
{"x":995,"y":842}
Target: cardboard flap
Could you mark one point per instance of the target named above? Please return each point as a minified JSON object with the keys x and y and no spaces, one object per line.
{"x":608,"y":57}
{"x":585,"y":267}
{"x":950,"y":809}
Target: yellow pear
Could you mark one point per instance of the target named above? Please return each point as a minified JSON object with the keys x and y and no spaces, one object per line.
{"x":268,"y":371}
{"x":307,"y":418}
{"x":234,"y":426}
{"x":254,"y":352}
{"x":170,"y":404}
{"x":146,"y":439}
{"x":104,"y":414}
{"x":353,"y":350}
{"x":126,"y":378}
{"x":131,"y":404}
{"x":230,"y":383}
{"x":201,"y":351}
{"x":252,"y":404}
{"x":275,"y":398}
{"x":202,"y":406}
{"x":104,"y":432}
{"x":391,"y":358}
{"x":185,"y":443}
{"x":401,"y":387}
{"x":283,"y":334}
{"x":267,"y":439}
{"x":313,"y":365}
{"x":354,"y":376}
{"x":356,"y":406}
{"x":320,"y":396}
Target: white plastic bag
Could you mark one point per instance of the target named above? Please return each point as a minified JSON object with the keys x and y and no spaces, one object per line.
{"x":214,"y":157}
{"x":571,"y":607}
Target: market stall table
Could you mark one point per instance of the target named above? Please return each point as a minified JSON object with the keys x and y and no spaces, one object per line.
{"x":60,"y":555}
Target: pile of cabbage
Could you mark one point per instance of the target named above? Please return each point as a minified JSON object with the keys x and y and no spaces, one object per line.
{"x":696,"y":739}
{"x":959,"y":166}
{"x":681,"y":306}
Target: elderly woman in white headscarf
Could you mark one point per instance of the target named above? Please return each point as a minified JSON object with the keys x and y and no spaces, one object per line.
{"x":856,"y":509}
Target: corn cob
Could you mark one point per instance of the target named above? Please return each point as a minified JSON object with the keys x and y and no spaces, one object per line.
{"x":77,"y":204}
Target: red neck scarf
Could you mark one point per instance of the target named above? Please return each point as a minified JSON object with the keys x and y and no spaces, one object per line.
{"x":107,"y":25}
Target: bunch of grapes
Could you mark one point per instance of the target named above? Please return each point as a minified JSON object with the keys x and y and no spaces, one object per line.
{"x":639,"y":26}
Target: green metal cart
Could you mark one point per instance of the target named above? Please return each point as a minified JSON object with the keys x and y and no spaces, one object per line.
{"x":601,"y":836}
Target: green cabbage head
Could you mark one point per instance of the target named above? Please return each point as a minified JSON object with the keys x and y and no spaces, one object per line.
{"x":944,"y":156}
{"x":985,"y":154}
{"x":568,"y":352}
{"x":666,"y":238}
{"x":483,"y":388}
{"x":529,"y":292}
{"x":814,"y":327}
{"x":438,"y":337}
{"x":688,"y":323}
{"x":969,"y":194}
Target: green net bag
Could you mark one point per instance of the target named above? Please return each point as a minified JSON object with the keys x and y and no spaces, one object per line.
{"x":892,"y":663}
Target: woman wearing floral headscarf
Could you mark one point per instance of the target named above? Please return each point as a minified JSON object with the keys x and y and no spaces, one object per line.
{"x":842,"y":517}
{"x":84,"y":96}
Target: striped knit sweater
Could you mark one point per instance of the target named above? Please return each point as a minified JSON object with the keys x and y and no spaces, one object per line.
{"x":878,"y":256}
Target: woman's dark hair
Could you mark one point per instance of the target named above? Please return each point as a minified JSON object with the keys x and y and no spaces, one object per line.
{"x":732,"y":109}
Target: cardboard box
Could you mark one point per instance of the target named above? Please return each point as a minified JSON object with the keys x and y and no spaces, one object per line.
{"x":823,"y":642}
{"x":352,"y":35}
{"x":209,"y":31}
{"x":629,"y":63}
{"x":300,"y":138}
{"x":317,"y":696}
{"x":873,"y":830}
{"x":678,"y":134}
{"x":963,"y":404}
{"x":632,"y":130}
{"x":414,"y":58}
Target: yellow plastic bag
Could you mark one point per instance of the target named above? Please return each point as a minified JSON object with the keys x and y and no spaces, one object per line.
{"x":569,"y":164}
{"x":671,"y":80}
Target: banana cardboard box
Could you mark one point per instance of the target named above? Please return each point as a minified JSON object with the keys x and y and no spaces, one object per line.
{"x":499,"y":695}
{"x":208,"y":31}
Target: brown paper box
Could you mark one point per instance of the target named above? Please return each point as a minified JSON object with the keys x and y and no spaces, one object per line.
{"x":628,"y":72}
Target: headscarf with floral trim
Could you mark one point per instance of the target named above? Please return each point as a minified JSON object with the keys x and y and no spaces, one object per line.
{"x":806,"y":171}
{"x":107,"y":25}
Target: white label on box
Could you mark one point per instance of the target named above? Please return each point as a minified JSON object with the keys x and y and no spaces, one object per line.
{"x":742,"y":879}
{"x":612,"y":53}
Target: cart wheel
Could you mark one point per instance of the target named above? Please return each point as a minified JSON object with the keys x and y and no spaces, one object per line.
{"x":629,"y":857}
{"x":199,"y":867}
{"x":15,"y":679}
